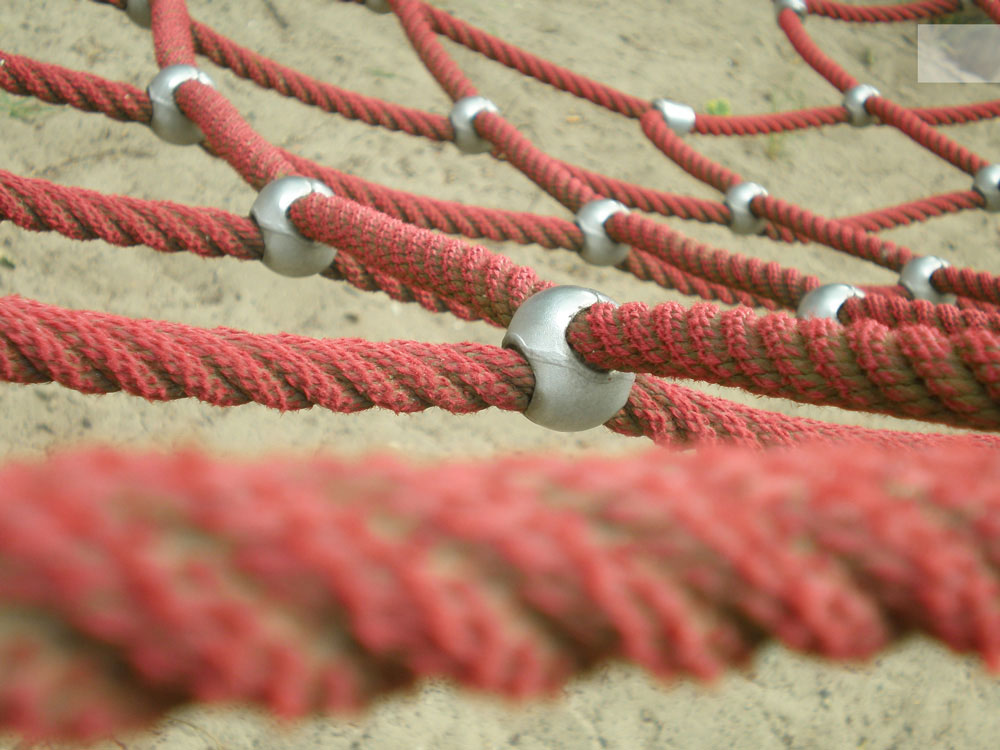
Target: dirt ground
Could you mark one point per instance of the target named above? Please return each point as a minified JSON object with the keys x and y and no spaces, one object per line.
{"x":695,"y":51}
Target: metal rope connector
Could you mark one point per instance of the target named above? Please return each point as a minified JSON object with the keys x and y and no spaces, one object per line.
{"x":915,"y":278}
{"x":825,"y":301}
{"x":138,"y":11}
{"x":286,"y":251}
{"x":679,"y":117}
{"x":463,"y":118}
{"x":987,"y":184}
{"x":598,"y":248}
{"x":569,"y":394}
{"x":798,"y":6}
{"x":168,"y":122}
{"x":738,"y":198}
{"x":854,"y":103}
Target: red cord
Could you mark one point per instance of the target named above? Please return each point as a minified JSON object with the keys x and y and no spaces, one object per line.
{"x":301,"y":586}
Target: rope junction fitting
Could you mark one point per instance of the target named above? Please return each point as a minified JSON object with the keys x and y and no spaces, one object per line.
{"x":679,"y":117}
{"x":569,"y":395}
{"x":837,"y":547}
{"x":987,"y":184}
{"x":463,"y":121}
{"x":285,"y":250}
{"x":827,"y":301}
{"x":916,"y":279}
{"x":738,"y":199}
{"x":854,"y":102}
{"x":798,"y":7}
{"x":598,"y":248}
{"x":168,"y":122}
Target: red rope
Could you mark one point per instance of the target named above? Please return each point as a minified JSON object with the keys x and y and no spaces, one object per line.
{"x":524,"y":62}
{"x":57,"y":85}
{"x":288,"y":82}
{"x":883,"y":13}
{"x":318,"y":586}
{"x":95,"y":352}
{"x":641,"y":266}
{"x":911,"y":371}
{"x":148,"y":581}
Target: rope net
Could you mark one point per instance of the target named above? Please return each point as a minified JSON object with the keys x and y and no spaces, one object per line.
{"x":140,"y":582}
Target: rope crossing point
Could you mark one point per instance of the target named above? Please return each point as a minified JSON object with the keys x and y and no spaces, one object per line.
{"x":705,"y":563}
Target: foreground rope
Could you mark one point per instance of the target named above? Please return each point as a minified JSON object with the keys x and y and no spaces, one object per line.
{"x":133,"y":583}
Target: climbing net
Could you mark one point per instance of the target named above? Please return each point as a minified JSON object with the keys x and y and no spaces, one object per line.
{"x":297,"y":597}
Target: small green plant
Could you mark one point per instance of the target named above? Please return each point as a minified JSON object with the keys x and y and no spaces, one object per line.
{"x":20,"y":108}
{"x":775,"y":146}
{"x":718,"y":107}
{"x":779,"y":101}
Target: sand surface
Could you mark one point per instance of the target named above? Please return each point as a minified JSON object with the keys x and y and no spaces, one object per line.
{"x":694,"y":51}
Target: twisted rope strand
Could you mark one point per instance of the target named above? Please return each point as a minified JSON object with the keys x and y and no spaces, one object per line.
{"x":276,"y":582}
{"x":910,"y":371}
{"x":459,"y":221}
{"x":99,"y":353}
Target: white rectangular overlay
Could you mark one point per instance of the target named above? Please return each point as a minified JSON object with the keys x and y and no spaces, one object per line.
{"x":958,"y":53}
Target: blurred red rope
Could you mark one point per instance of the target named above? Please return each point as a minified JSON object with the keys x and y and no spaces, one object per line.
{"x":146,"y":581}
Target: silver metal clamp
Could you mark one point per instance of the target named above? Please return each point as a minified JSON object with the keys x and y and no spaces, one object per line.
{"x":915,"y":278}
{"x":598,"y":248}
{"x":286,"y":251}
{"x":854,"y":103}
{"x":168,"y":122}
{"x":569,"y":394}
{"x":799,"y":6}
{"x":825,"y":301}
{"x":742,"y":219}
{"x":987,"y":184}
{"x":463,"y":118}
{"x":679,"y":117}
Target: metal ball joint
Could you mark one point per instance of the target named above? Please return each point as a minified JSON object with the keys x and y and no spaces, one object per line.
{"x":168,"y":122}
{"x":679,"y":117}
{"x":825,"y":301}
{"x":598,"y":248}
{"x":463,"y":116}
{"x":799,"y":6}
{"x":743,"y":220}
{"x":286,"y":251}
{"x":915,"y":278}
{"x":138,"y":11}
{"x":569,"y":395}
{"x":987,"y":184}
{"x":378,"y":6}
{"x":854,"y":102}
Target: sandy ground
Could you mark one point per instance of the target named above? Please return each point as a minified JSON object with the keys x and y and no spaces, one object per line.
{"x":690,"y":50}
